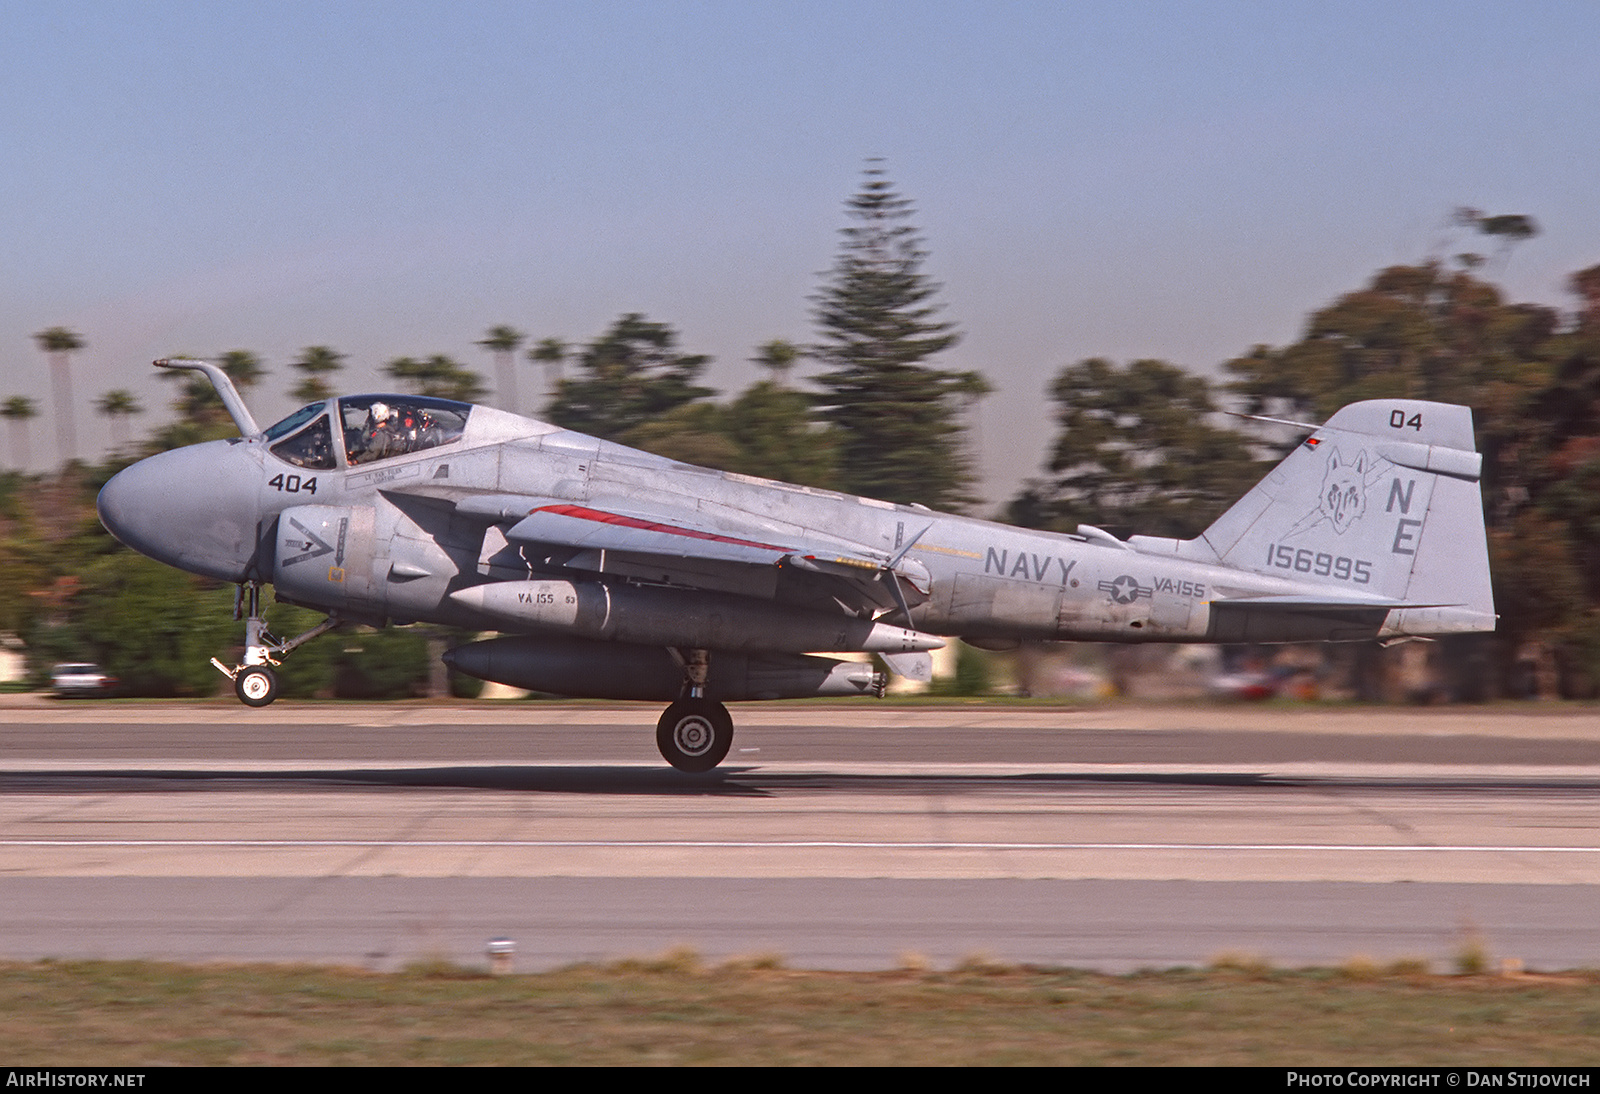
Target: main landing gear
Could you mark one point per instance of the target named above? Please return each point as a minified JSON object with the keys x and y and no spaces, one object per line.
{"x":695,"y":733}
{"x":254,"y":682}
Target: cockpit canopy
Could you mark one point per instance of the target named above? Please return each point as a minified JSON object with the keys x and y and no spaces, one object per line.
{"x":370,"y":428}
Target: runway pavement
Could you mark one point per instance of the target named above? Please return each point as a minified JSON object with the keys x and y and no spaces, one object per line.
{"x":837,"y":835}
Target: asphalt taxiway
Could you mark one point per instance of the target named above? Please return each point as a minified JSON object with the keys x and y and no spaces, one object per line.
{"x":837,"y":835}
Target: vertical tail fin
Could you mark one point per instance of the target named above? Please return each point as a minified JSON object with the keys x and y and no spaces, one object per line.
{"x":1381,"y":500}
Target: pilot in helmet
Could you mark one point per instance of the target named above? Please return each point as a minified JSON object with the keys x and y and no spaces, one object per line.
{"x":377,"y":435}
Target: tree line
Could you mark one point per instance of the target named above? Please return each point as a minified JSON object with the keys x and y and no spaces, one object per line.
{"x":1140,"y":446}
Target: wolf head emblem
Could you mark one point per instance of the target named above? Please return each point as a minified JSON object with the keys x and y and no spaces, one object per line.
{"x":1344,"y":491}
{"x":1343,"y":498}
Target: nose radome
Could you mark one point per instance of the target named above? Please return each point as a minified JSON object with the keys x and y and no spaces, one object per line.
{"x":193,"y":508}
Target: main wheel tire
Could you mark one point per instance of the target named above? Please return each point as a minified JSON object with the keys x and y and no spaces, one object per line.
{"x":695,"y":734}
{"x":256,"y":687}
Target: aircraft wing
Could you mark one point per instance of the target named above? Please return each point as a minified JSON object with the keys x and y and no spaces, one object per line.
{"x":608,"y":528}
{"x":628,"y":537}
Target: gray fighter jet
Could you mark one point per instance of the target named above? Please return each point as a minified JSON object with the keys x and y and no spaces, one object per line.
{"x":611,"y":573}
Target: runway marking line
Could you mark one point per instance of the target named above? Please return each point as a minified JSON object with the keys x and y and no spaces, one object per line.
{"x":812,"y":844}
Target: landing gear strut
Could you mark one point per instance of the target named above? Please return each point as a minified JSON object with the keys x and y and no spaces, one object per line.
{"x":254,"y":682}
{"x":695,"y":733}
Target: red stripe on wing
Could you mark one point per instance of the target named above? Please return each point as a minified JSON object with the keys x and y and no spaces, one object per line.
{"x":580,"y":512}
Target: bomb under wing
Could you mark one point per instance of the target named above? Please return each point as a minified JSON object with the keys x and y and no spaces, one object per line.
{"x":663,"y":616}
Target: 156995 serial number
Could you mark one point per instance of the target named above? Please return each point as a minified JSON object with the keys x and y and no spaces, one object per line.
{"x":1303,"y":560}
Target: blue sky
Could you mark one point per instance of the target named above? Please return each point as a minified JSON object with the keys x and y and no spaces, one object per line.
{"x":1173,"y":180}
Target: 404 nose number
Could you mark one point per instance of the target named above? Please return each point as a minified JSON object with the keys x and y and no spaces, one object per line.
{"x":293,"y":484}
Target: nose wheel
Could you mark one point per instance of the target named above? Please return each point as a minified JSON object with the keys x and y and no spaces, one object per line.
{"x":695,"y":734}
{"x":254,"y":682}
{"x":256,"y":686}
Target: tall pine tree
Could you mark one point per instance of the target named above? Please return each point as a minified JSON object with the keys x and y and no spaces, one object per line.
{"x":898,"y":420}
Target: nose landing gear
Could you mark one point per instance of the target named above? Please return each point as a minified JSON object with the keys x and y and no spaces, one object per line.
{"x":255,"y":686}
{"x":254,"y":682}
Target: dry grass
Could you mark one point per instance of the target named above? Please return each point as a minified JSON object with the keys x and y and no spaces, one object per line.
{"x":678,"y":1010}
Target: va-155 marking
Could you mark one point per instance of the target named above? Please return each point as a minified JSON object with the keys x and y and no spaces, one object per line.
{"x":612,"y":573}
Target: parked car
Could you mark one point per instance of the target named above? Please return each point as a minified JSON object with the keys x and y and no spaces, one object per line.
{"x":80,"y":679}
{"x":1276,"y":682}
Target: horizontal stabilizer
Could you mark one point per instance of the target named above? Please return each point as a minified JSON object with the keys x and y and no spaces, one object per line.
{"x":1310,"y":621}
{"x":1309,"y":603}
{"x":1314,"y":618}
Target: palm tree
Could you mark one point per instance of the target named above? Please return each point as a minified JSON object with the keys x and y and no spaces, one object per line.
{"x":59,"y":343}
{"x":439,"y":376}
{"x":118,"y":406}
{"x":316,"y":362}
{"x":17,"y":410}
{"x":778,"y":357}
{"x":503,"y":342}
{"x":550,"y":352}
{"x":243,"y":367}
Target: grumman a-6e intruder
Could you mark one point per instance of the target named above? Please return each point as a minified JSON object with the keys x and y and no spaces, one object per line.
{"x":616,"y":574}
